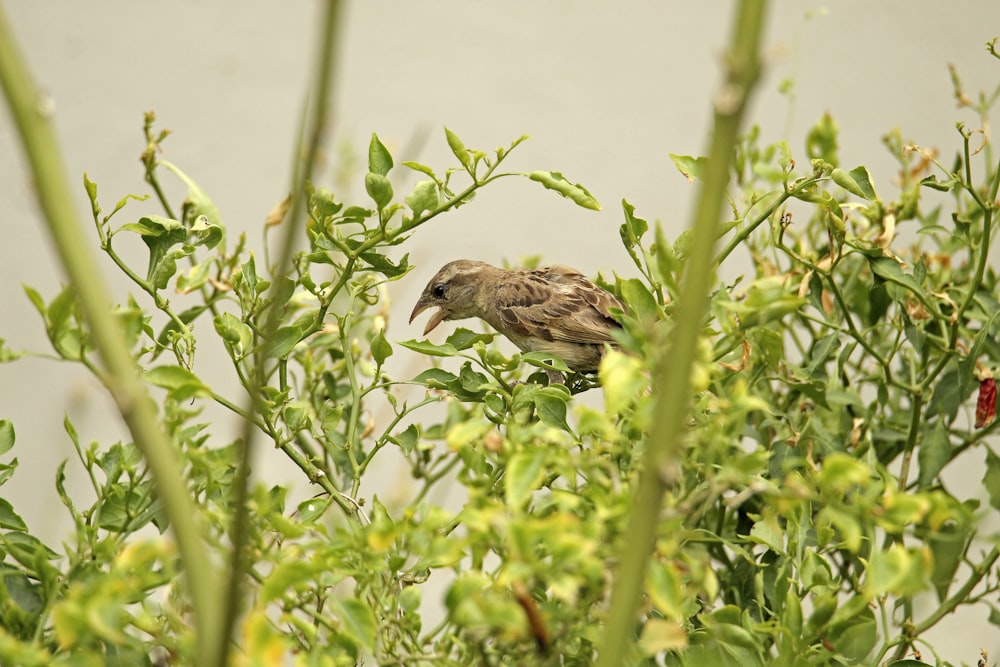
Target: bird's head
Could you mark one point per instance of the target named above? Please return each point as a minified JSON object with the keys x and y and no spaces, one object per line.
{"x":455,"y":290}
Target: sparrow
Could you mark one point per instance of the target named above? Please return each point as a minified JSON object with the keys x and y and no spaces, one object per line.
{"x":553,"y":309}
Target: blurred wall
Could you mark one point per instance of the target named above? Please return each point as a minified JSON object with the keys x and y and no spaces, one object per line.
{"x":605,"y":90}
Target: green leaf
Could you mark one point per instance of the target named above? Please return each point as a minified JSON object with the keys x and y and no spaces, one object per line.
{"x":160,"y":234}
{"x":385,"y":266}
{"x":459,"y":150}
{"x":436,"y":378}
{"x":426,"y":347}
{"x":6,"y":435}
{"x":821,"y":140}
{"x":690,"y":167}
{"x":632,"y":231}
{"x":422,"y":168}
{"x":666,"y":589}
{"x":127,"y":509}
{"x":423,"y":197}
{"x":941,"y":186}
{"x":9,"y":519}
{"x":379,"y":189}
{"x":857,"y":181}
{"x":463,"y":339}
{"x":287,"y":574}
{"x":381,"y":349}
{"x":195,"y":277}
{"x":7,"y":471}
{"x":157,"y":226}
{"x":639,"y":299}
{"x":546,"y":361}
{"x":667,"y":265}
{"x":358,"y":621}
{"x":934,"y":453}
{"x":379,"y":158}
{"x":947,"y":396}
{"x":406,"y":439}
{"x":855,"y":638}
{"x":896,"y":570}
{"x":524,"y":473}
{"x":166,"y":267}
{"x":283,"y":341}
{"x":91,"y":189}
{"x":555,"y":181}
{"x":767,"y":531}
{"x":889,"y":269}
{"x":122,"y":202}
{"x":22,"y":592}
{"x":948,"y":545}
{"x":177,"y":380}
{"x":313,"y":509}
{"x":200,"y":202}
{"x":550,"y":402}
{"x":991,"y":479}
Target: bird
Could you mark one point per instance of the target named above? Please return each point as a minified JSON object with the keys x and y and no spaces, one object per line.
{"x":553,"y":309}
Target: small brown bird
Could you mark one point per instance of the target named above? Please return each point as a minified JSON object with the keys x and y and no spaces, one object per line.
{"x":553,"y":309}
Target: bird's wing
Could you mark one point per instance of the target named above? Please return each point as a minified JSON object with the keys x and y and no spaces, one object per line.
{"x":556,"y":303}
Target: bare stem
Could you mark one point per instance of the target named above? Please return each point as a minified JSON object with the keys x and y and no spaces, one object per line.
{"x":673,"y":387}
{"x":32,"y":114}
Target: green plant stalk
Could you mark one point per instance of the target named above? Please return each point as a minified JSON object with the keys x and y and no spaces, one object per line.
{"x":32,"y":115}
{"x":673,"y":375}
{"x":303,"y":166}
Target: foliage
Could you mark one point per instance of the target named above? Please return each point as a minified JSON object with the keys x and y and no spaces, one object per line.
{"x":834,"y":391}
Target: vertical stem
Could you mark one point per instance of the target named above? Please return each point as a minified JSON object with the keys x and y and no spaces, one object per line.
{"x":672,"y":376}
{"x":305,"y":159}
{"x":32,"y":114}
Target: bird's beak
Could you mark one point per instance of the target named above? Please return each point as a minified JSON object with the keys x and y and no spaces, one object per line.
{"x":435,"y":320}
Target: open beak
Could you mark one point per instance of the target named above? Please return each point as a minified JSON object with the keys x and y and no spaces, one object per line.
{"x":435,"y":320}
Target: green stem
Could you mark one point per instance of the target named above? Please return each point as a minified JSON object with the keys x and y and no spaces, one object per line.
{"x":672,"y":378}
{"x":32,"y":115}
{"x":302,"y":173}
{"x":916,"y":412}
{"x":744,"y":232}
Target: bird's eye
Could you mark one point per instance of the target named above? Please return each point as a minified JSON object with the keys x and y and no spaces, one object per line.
{"x":438,"y":291}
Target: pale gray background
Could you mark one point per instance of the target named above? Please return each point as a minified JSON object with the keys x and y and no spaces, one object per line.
{"x":605,"y":90}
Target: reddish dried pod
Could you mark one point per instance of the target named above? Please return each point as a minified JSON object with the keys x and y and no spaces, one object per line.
{"x":986,"y":407}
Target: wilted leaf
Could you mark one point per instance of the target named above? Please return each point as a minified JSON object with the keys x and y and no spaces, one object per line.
{"x":986,"y":405}
{"x":206,"y":233}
